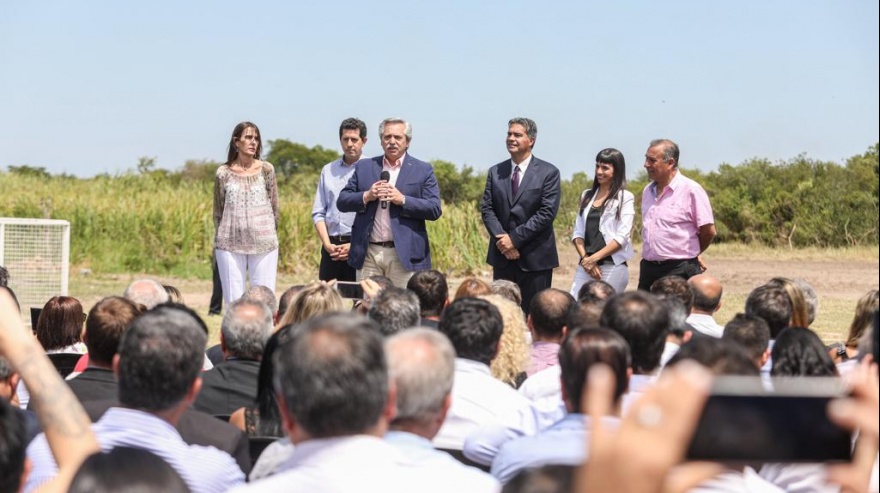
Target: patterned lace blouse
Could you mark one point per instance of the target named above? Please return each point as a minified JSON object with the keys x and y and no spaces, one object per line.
{"x":246,"y":211}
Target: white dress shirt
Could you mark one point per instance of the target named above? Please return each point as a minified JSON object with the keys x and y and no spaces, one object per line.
{"x":705,"y":324}
{"x":477,"y":399}
{"x":438,"y":468}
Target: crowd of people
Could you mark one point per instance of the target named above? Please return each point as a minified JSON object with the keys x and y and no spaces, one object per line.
{"x":415,"y":389}
{"x":504,"y":385}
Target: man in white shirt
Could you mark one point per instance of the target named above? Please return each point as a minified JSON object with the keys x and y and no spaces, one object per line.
{"x":707,"y":300}
{"x":422,"y":365}
{"x":336,"y":402}
{"x":474,"y":327}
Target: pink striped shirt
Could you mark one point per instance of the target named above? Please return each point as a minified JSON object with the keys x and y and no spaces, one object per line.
{"x":671,"y":222}
{"x":382,"y":221}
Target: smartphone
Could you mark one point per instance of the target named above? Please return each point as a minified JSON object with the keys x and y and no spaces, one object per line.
{"x":348,"y":289}
{"x":744,"y":421}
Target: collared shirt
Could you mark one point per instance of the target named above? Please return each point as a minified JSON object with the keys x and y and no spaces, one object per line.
{"x":204,"y":469}
{"x":544,"y":355}
{"x":732,"y":481}
{"x":799,"y":478}
{"x":440,"y":468}
{"x":543,"y":384}
{"x":340,"y":465}
{"x":334,"y":177}
{"x":638,"y":385}
{"x":669,"y":350}
{"x":477,"y":399}
{"x":705,"y":324}
{"x":562,"y":444}
{"x":382,"y":221}
{"x":671,"y":222}
{"x":523,"y":166}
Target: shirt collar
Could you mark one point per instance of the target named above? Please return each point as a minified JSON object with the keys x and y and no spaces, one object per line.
{"x":395,"y":164}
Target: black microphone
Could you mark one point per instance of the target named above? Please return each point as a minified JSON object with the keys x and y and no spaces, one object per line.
{"x":386,"y":177}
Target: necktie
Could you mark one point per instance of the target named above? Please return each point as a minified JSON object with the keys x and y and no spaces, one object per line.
{"x":514,"y":181}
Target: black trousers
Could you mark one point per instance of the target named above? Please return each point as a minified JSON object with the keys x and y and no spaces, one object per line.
{"x":216,"y":304}
{"x":333,"y":269}
{"x":530,"y":282}
{"x":650,"y":270}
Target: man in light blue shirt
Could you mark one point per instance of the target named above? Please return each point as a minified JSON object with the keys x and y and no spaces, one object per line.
{"x":158,"y":368}
{"x":421,"y":362}
{"x":563,"y":442}
{"x":334,"y":227}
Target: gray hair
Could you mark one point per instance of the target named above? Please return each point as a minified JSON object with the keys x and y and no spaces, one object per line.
{"x":395,"y":309}
{"x":810,"y":298}
{"x":146,"y":292}
{"x":507,"y":289}
{"x":422,"y":363}
{"x":262,"y":294}
{"x":246,"y":326}
{"x":528,"y":124}
{"x":670,"y":149}
{"x":407,"y":128}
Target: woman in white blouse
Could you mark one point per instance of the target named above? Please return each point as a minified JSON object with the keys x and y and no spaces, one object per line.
{"x":602,"y":229}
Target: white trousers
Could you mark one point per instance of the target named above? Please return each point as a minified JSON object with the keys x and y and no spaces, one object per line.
{"x":235,"y":267}
{"x":615,"y":275}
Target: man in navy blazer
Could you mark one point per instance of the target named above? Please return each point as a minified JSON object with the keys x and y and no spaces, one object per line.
{"x":519,"y":206}
{"x":388,"y":236}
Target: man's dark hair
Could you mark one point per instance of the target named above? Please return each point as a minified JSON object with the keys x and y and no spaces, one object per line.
{"x":675,"y":286}
{"x":106,"y":322}
{"x":798,"y":352}
{"x":642,"y":321}
{"x":12,"y":448}
{"x":544,"y":479}
{"x":160,"y":356}
{"x":585,"y":347}
{"x":720,"y":356}
{"x":287,"y":298}
{"x":382,"y":281}
{"x":4,"y":276}
{"x":751,"y":333}
{"x":353,"y":124}
{"x":474,"y":327}
{"x":394,"y":309}
{"x":550,"y":310}
{"x":677,"y":312}
{"x":595,"y":290}
{"x":773,"y":305}
{"x":332,"y":374}
{"x":432,"y":290}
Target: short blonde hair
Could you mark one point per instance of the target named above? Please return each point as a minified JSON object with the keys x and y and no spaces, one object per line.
{"x":513,"y":355}
{"x":315,"y":299}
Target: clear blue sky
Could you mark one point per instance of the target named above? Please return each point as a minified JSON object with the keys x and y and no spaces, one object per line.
{"x":90,"y":86}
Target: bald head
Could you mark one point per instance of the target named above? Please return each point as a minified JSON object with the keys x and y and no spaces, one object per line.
{"x":707,"y":293}
{"x":146,"y":292}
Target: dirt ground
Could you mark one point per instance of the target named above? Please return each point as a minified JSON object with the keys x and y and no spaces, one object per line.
{"x":839,"y":277}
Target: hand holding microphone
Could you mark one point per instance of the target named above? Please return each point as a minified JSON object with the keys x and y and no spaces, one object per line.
{"x":386,"y":177}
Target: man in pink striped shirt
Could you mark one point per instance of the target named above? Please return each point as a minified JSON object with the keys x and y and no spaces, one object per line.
{"x":677,"y":220}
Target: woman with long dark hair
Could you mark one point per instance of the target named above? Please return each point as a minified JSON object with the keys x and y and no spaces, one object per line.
{"x":604,"y":222}
{"x":245,"y":215}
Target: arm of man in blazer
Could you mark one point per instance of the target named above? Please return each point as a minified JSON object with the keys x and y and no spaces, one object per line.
{"x":544,"y":216}
{"x":490,"y":219}
{"x":427,"y":206}
{"x":351,"y":198}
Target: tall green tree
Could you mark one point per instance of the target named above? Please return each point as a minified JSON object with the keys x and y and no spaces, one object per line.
{"x":291,"y":157}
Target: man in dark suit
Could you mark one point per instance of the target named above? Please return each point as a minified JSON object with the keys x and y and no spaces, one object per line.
{"x":388,"y":237}
{"x":105,"y":324}
{"x":233,"y":383}
{"x":519,"y":206}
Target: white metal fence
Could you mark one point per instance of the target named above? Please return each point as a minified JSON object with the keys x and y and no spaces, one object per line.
{"x":36,"y":252}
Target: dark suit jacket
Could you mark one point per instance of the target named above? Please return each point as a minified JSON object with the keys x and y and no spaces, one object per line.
{"x":417,"y":182}
{"x":196,"y":428}
{"x":94,"y":384}
{"x":228,"y":386}
{"x":527,"y":218}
